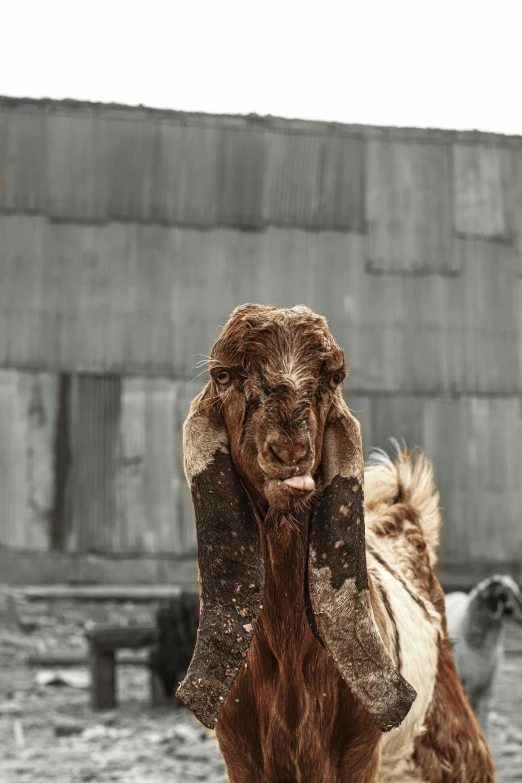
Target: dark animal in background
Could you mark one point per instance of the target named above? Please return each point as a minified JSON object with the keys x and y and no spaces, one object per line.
{"x":177,"y":625}
{"x":476,"y":626}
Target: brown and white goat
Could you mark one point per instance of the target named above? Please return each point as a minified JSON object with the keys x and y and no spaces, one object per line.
{"x":322,"y":653}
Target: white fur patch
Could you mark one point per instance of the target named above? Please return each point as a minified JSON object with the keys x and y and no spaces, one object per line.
{"x":419,"y":653}
{"x":201,"y":440}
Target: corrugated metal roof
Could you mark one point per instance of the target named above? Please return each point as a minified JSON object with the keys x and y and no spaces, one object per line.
{"x":93,"y":167}
{"x":111,"y":272}
{"x":263,"y":122}
{"x":88,"y":162}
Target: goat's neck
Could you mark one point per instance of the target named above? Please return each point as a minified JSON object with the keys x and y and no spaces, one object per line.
{"x":285,"y":549}
{"x":481,"y":629}
{"x":288,"y":615}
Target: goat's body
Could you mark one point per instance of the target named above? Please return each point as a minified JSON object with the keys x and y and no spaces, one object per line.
{"x":299,"y":721}
{"x":477,"y":652}
{"x":298,"y":718}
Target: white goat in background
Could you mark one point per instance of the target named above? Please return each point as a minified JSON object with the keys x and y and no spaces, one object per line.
{"x":476,"y":627}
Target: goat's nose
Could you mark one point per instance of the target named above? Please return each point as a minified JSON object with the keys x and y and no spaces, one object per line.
{"x":289,"y":452}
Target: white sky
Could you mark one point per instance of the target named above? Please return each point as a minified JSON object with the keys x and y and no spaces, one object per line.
{"x":448,"y":64}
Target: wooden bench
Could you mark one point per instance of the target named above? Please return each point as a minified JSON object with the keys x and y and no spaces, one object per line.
{"x":104,"y":641}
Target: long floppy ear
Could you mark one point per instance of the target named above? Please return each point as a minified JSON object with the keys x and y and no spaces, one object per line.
{"x":230,"y":564}
{"x":338,"y":579}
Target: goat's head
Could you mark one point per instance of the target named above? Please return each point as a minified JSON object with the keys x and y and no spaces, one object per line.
{"x":274,"y":376}
{"x":270,"y":423}
{"x":500,"y":597}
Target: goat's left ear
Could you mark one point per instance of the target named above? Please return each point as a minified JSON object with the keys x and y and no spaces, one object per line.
{"x":230,"y":563}
{"x":338,"y":579}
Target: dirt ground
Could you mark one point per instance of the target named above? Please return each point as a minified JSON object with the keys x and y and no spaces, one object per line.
{"x":49,"y":733}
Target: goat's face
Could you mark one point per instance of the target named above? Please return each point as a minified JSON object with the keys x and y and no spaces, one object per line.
{"x":275,"y":374}
{"x":500,"y":596}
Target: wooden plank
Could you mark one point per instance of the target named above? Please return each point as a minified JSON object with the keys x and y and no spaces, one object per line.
{"x":103,"y":592}
{"x":105,"y":637}
{"x":35,"y":568}
{"x":60,"y":661}
{"x":103,"y":680}
{"x":408,"y":211}
{"x":479,"y":194}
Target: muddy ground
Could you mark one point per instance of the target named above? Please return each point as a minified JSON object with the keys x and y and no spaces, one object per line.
{"x":49,"y":733}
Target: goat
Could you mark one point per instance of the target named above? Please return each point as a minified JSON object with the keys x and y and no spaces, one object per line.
{"x":315,"y":638}
{"x":476,"y":628}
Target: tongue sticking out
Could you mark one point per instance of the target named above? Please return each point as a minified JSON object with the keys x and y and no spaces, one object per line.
{"x":304,"y":483}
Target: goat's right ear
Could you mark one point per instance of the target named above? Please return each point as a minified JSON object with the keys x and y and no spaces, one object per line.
{"x":338,"y":580}
{"x":230,"y":563}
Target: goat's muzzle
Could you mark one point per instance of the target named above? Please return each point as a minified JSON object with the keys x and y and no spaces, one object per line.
{"x":287,"y":464}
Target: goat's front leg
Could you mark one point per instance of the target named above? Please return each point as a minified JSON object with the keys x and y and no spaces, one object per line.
{"x":482,"y":710}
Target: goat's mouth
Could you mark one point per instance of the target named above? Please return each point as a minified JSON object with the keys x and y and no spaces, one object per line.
{"x":301,"y":483}
{"x":285,"y":494}
{"x":287,"y":484}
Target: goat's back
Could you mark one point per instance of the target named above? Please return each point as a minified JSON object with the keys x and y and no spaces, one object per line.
{"x":402,"y":535}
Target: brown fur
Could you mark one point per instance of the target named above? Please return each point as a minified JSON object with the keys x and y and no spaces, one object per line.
{"x":290,"y":708}
{"x":291,"y":715}
{"x":402,"y":512}
{"x":453,"y":748}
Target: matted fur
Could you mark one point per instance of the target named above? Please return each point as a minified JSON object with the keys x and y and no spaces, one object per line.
{"x":347,"y":621}
{"x":440,"y":740}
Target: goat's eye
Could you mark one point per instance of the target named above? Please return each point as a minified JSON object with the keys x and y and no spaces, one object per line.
{"x":336,"y":379}
{"x":223,"y":378}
